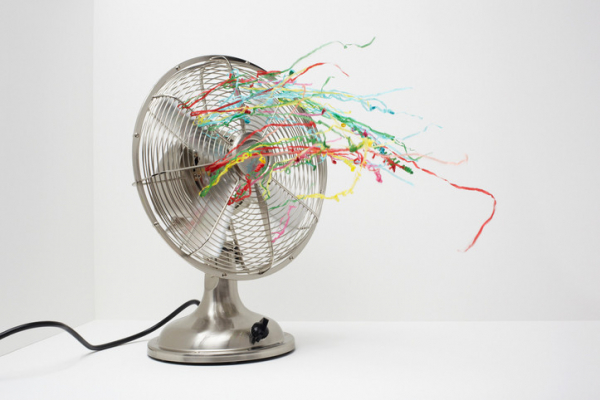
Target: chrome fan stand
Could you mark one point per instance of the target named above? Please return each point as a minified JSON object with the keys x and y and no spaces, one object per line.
{"x":228,"y":241}
{"x":220,"y":330}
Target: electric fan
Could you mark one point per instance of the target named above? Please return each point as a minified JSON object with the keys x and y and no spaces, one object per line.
{"x":249,"y":238}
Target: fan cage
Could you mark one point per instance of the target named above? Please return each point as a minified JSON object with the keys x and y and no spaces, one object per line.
{"x":244,"y":240}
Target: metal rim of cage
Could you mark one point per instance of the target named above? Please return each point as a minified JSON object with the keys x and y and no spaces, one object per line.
{"x":169,"y":151}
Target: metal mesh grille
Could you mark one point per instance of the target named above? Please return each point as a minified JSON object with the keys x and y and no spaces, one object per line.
{"x":243,"y":240}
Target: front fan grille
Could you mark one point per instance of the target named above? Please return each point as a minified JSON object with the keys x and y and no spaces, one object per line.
{"x":246,"y":239}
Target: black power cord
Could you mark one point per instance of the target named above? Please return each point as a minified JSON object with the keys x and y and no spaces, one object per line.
{"x":55,"y":324}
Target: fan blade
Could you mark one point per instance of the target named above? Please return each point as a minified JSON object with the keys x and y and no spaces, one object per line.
{"x":207,"y":147}
{"x":211,"y":220}
{"x":288,"y":193}
{"x":264,"y":213}
{"x":252,"y":233}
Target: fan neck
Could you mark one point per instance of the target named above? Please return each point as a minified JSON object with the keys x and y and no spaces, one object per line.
{"x":221,"y":298}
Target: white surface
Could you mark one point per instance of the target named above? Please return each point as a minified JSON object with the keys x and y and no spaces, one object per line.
{"x":351,"y":360}
{"x":46,"y":239}
{"x":515,"y":85}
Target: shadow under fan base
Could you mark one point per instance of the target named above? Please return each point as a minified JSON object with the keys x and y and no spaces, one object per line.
{"x":218,"y":331}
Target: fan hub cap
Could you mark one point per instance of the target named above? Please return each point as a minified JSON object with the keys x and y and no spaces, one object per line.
{"x":255,"y":163}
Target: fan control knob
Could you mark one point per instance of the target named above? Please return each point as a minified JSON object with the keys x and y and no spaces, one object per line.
{"x":259,"y":331}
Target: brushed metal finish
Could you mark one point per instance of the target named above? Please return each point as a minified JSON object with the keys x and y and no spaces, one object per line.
{"x":218,"y":331}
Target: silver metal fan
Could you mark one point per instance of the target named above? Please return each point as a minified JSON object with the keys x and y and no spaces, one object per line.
{"x":228,"y":241}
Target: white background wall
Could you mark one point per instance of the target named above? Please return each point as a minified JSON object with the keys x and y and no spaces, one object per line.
{"x":515,"y":86}
{"x":46,"y":246}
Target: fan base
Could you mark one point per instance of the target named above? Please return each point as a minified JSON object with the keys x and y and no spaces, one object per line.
{"x":191,"y":356}
{"x":219,"y":331}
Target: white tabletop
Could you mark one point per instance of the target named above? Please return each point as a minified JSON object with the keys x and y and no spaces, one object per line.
{"x":333,"y":360}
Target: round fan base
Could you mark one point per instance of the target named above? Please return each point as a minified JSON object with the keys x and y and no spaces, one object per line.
{"x":219,"y":331}
{"x":191,"y":356}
